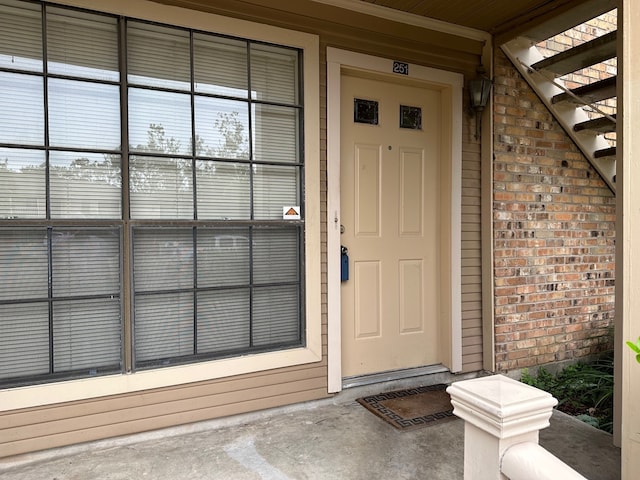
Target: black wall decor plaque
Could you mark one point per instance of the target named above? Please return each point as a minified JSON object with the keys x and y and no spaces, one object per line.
{"x":410,"y":117}
{"x":365,"y":111}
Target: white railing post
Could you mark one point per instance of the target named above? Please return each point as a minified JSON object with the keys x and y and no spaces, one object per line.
{"x":498,"y":412}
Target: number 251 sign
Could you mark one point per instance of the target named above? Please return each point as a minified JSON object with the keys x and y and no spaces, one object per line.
{"x":401,"y":68}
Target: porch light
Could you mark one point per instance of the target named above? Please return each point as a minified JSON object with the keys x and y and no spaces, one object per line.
{"x":479,"y":89}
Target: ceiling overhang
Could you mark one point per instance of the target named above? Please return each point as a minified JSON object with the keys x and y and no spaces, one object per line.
{"x":402,"y":16}
{"x":501,"y":19}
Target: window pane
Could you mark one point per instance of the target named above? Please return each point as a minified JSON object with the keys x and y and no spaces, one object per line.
{"x":23,"y":264}
{"x":161,"y":188}
{"x":163,"y":259}
{"x":20,"y":354}
{"x":274,"y":187}
{"x":22,"y":183}
{"x":22,"y":112}
{"x":82,"y":45}
{"x":158,"y":56}
{"x":85,"y":262}
{"x":223,"y":190}
{"x":159,"y":122}
{"x":276,"y":134}
{"x":222,"y":128}
{"x":274,"y":74}
{"x":220,"y":66}
{"x":163,"y":326}
{"x":276,"y":316}
{"x":223,"y":321}
{"x":86,"y":335}
{"x":85,"y":185}
{"x":223,"y":257}
{"x":275,"y":247}
{"x":83,"y":114}
{"x":20,"y":36}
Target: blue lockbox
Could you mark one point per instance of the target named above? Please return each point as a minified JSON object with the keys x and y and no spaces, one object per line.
{"x":344,"y":264}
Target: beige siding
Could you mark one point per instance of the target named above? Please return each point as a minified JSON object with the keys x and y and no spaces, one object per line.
{"x":471,"y":254}
{"x":40,"y":428}
{"x":57,"y":425}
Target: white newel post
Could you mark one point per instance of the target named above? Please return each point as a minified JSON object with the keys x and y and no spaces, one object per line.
{"x":498,"y":412}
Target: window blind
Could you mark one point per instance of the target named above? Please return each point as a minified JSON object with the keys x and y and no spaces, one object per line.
{"x":24,"y":340}
{"x":161,"y":188}
{"x":84,"y":114}
{"x":22,"y":177}
{"x":158,"y":56}
{"x":220,"y":66}
{"x":20,"y":35}
{"x":209,"y":155}
{"x":82,"y":44}
{"x":85,"y":185}
{"x":22,"y":112}
{"x":274,"y":74}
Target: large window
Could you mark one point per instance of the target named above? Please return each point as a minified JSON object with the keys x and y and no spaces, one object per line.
{"x":143,"y":173}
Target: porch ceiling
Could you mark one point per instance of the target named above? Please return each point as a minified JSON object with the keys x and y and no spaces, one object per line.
{"x":504,"y":19}
{"x":489,"y":15}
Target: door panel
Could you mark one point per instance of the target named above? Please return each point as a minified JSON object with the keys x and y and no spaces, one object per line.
{"x":367,"y":321}
{"x":367,"y":189}
{"x":390,"y":210}
{"x":411,"y":296}
{"x":411,"y":191}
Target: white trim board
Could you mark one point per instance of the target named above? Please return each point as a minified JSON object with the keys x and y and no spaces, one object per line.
{"x":336,"y":61}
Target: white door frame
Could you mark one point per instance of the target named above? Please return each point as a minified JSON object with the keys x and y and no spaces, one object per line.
{"x":454,"y":84}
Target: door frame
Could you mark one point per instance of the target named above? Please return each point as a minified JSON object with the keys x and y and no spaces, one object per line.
{"x":451,"y":85}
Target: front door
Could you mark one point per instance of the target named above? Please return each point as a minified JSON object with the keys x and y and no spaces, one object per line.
{"x":390,"y":209}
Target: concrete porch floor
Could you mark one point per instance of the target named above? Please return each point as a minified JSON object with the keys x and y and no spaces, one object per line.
{"x":328,"y":439}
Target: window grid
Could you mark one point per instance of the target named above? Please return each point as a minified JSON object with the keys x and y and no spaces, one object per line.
{"x":194,"y":289}
{"x":126,"y":226}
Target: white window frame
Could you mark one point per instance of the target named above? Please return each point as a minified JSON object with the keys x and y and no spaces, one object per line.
{"x":73,"y":390}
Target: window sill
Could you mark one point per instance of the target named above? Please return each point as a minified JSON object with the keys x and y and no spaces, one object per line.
{"x":82,"y":389}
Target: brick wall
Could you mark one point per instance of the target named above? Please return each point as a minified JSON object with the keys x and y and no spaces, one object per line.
{"x":554,"y":235}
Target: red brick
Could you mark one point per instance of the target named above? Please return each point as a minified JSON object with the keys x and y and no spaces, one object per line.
{"x":554,"y":235}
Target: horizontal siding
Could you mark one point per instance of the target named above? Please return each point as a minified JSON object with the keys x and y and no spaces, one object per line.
{"x":38,"y":428}
{"x":163,"y":396}
{"x":471,"y":254}
{"x":57,"y":439}
{"x":191,"y":409}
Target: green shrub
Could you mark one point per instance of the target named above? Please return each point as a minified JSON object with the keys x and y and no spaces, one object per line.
{"x":584,"y":390}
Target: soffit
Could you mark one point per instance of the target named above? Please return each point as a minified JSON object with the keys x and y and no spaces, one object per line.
{"x":341,"y":24}
{"x":504,"y":19}
{"x":494,"y":16}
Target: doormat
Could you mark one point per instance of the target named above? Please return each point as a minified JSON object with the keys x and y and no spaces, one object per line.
{"x":412,"y":408}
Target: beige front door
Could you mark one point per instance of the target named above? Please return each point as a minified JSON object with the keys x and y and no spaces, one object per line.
{"x":390,"y":195}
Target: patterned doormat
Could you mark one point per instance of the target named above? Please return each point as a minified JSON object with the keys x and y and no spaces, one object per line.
{"x":412,"y":408}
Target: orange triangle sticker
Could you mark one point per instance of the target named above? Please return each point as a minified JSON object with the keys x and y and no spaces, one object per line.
{"x":291,"y":213}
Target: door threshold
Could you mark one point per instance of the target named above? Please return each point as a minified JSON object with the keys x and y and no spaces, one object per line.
{"x":362,"y":380}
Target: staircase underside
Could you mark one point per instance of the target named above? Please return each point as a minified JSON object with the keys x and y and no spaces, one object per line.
{"x":571,"y":106}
